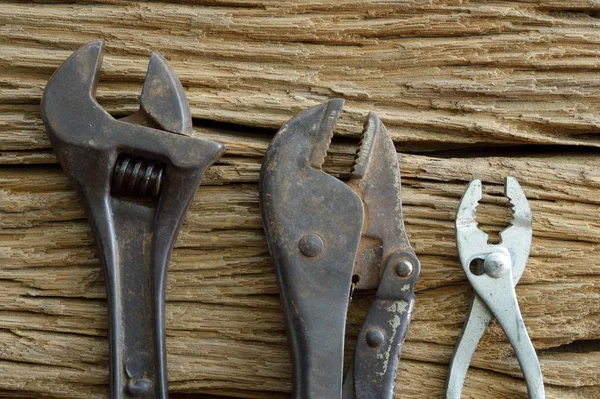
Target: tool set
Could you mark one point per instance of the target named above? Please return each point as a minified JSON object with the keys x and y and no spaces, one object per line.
{"x":136,"y":177}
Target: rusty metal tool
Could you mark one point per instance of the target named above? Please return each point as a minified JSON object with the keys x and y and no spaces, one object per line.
{"x":326,"y":238}
{"x":493,"y":270}
{"x":136,"y":178}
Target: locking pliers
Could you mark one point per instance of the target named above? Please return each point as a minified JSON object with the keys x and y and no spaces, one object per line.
{"x":327,"y":237}
{"x":493,"y":270}
{"x":136,"y":178}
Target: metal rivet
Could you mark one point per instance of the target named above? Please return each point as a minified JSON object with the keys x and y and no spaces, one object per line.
{"x":374,"y":338}
{"x":404,"y":268}
{"x":136,"y":367}
{"x":311,"y":245}
{"x":139,"y":388}
{"x":496,"y":264}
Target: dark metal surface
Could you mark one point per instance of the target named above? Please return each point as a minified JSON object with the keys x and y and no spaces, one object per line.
{"x":325,"y":236}
{"x":136,"y":178}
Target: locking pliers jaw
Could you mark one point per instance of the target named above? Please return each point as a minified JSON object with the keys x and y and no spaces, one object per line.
{"x":136,"y":178}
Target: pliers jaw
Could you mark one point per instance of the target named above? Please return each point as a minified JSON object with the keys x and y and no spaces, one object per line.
{"x":322,"y":232}
{"x":472,"y":243}
{"x":136,"y":178}
{"x":500,"y":266}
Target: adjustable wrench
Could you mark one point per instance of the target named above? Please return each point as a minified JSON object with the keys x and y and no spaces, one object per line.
{"x":136,"y":178}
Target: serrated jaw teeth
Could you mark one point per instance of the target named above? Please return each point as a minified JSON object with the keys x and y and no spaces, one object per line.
{"x":519,"y":206}
{"x":467,"y":209}
{"x":324,"y":133}
{"x":366,"y":145}
{"x":518,"y":201}
{"x":521,"y":212}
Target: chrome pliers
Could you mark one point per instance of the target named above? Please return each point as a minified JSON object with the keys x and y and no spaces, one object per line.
{"x":493,"y":271}
{"x":136,"y":177}
{"x":326,"y":238}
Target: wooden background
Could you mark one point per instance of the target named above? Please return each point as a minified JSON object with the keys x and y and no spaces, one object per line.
{"x":467,"y":89}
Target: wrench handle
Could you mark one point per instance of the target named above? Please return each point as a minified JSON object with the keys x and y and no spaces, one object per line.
{"x":137,"y":313}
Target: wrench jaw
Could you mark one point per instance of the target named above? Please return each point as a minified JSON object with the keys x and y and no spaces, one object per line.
{"x":313,"y":223}
{"x":74,"y":118}
{"x":69,"y":108}
{"x":135,"y":217}
{"x":163,"y":101}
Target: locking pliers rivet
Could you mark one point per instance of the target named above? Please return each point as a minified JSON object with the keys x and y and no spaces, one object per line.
{"x":311,"y":245}
{"x":404,"y":268}
{"x":375,"y":338}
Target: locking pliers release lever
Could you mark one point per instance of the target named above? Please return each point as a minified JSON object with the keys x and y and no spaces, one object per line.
{"x":136,"y":177}
{"x":326,"y":236}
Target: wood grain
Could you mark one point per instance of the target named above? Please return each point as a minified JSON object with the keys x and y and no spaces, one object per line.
{"x":467,"y":89}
